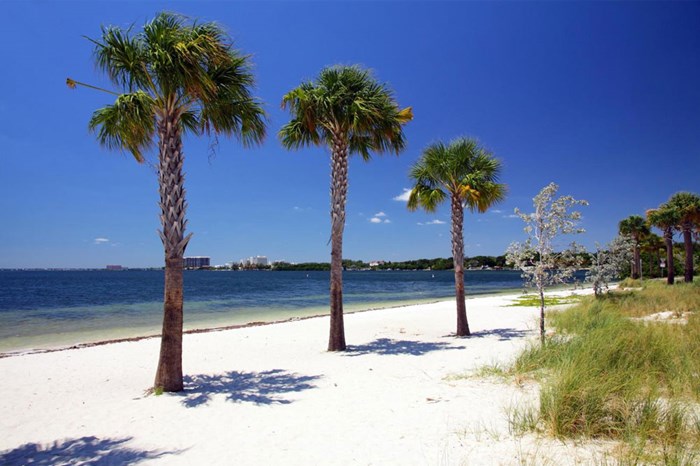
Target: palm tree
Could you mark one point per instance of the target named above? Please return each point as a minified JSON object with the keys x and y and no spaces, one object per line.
{"x":351,"y":113}
{"x":635,"y":228}
{"x":666,"y":218}
{"x":688,"y":207}
{"x":651,"y":244}
{"x":175,"y":76}
{"x":468,"y":174}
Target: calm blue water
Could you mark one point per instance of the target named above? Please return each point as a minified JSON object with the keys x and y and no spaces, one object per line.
{"x":54,"y":308}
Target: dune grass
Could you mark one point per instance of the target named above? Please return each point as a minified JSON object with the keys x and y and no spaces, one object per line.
{"x":604,"y":375}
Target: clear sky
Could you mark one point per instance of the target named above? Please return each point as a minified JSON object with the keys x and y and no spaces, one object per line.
{"x":602,"y":98}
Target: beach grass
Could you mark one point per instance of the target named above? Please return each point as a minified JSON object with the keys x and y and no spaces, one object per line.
{"x":606,"y":374}
{"x":534,"y":300}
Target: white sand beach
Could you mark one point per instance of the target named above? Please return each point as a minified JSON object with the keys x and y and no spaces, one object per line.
{"x":273,"y":395}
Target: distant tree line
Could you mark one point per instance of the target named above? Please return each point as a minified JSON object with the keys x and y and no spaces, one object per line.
{"x":438,"y":263}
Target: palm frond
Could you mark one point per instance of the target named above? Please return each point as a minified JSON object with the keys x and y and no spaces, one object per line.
{"x":122,"y":58}
{"x":663,"y":217}
{"x":234,"y":111}
{"x":189,"y":69}
{"x":426,"y":197}
{"x":346,"y":102}
{"x":464,"y":169}
{"x":128,"y":124}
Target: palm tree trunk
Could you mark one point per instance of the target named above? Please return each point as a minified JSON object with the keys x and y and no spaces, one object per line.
{"x":636,"y":265}
{"x":668,"y":238}
{"x":688,"y":242}
{"x":339,"y":189}
{"x":458,"y":260}
{"x":173,"y":206}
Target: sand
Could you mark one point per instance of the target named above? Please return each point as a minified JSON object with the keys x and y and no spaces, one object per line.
{"x":405,"y":393}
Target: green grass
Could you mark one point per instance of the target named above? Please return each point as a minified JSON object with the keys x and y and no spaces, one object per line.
{"x":534,"y":300}
{"x":604,"y":375}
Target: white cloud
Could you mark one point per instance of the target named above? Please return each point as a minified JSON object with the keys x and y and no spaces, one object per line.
{"x":511,"y":216}
{"x":379,"y":217}
{"x":432,"y":222}
{"x":403,"y":196}
{"x":496,"y":211}
{"x":101,"y":241}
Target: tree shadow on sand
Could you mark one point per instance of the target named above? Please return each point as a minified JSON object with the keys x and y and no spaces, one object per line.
{"x":250,"y":387}
{"x":387,"y":346}
{"x":87,"y":451}
{"x":503,"y":334}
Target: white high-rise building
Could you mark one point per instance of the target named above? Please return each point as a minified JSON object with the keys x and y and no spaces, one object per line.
{"x":256,"y":260}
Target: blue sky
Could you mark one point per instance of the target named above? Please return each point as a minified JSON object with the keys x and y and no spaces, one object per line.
{"x":602,"y":98}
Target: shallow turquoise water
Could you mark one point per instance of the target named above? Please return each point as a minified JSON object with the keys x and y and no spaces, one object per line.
{"x":40,"y":309}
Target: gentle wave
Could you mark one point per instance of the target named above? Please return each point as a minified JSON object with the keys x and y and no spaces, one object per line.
{"x":43,"y":309}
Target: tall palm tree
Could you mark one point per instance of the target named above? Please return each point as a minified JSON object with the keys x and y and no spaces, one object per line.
{"x":351,"y":113}
{"x":635,"y":228}
{"x":175,"y":76}
{"x":688,"y":206}
{"x":468,"y":174}
{"x":665,"y":218}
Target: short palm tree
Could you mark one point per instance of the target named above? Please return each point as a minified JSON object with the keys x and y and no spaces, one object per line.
{"x":688,"y":207}
{"x":468,"y":174}
{"x":635,"y":228}
{"x":665,"y":218}
{"x":351,"y":113}
{"x":175,"y":76}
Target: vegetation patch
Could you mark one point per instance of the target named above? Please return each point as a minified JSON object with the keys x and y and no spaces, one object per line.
{"x":534,"y":300}
{"x":604,"y":375}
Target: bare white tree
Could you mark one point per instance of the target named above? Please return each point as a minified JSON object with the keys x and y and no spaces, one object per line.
{"x":608,"y":263}
{"x":540,"y":264}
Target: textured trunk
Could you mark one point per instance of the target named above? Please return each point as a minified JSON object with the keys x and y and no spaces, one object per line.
{"x":339,"y":189}
{"x":636,"y":264}
{"x":668,"y":238}
{"x":458,"y":259}
{"x":541,"y":290}
{"x":172,"y":205}
{"x":688,"y":242}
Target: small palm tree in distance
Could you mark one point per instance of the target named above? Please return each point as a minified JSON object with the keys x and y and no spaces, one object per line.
{"x":665,"y":218}
{"x":635,"y":228}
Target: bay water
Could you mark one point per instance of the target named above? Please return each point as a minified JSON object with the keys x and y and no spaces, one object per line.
{"x":48,"y":309}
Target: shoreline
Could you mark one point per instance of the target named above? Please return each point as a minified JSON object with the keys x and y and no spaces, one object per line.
{"x":406,"y":391}
{"x":96,"y":310}
{"x":221,"y":328}
{"x":193,"y":331}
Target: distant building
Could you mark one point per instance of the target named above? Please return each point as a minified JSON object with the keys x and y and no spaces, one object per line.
{"x":115,"y":267}
{"x":255,"y":261}
{"x":196,"y":262}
